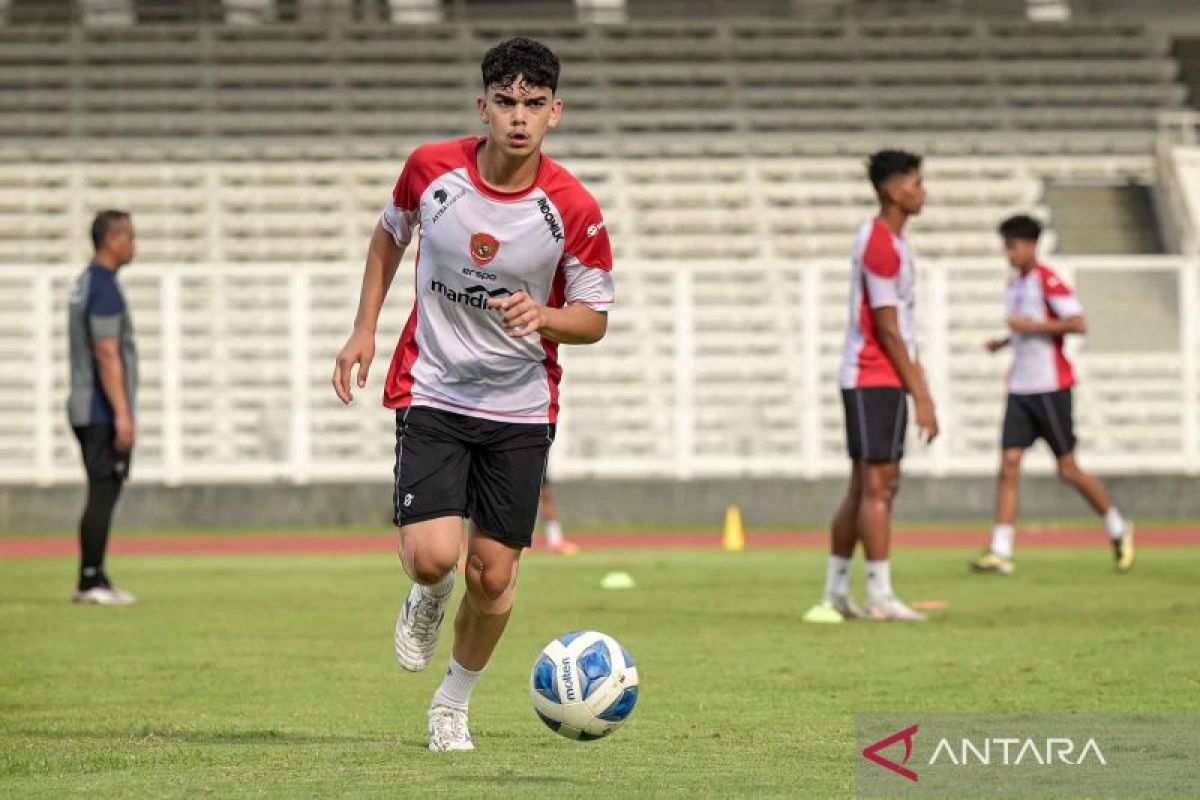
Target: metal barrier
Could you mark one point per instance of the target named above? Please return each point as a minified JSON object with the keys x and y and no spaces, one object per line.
{"x":709,"y":369}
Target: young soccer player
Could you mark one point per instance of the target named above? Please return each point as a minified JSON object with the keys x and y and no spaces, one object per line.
{"x":104,"y":378}
{"x":879,"y":369}
{"x":552,"y":527}
{"x":1042,"y":311}
{"x":514,"y":259}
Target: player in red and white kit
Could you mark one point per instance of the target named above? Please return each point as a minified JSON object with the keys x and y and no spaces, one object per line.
{"x":514,"y":260}
{"x":1042,"y":310}
{"x":880,"y":367}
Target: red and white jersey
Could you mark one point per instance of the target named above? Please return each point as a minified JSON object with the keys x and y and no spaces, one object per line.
{"x":1039,"y":364}
{"x":477,"y":244}
{"x":881,"y":274}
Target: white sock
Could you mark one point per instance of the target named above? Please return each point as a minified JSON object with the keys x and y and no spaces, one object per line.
{"x":455,"y":690}
{"x":554,"y":532}
{"x":837,"y":576}
{"x":1115,"y":523}
{"x":443,"y":587}
{"x":879,"y":579}
{"x":1002,"y":540}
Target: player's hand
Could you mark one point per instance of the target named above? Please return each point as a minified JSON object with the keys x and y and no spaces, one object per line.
{"x":995,"y":345}
{"x":927,"y":424}
{"x":124,"y":434}
{"x":360,"y":350}
{"x":522,"y":316}
{"x":1020,"y":324}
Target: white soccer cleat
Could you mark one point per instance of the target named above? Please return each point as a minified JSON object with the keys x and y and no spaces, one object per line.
{"x":892,"y":609}
{"x":417,"y":628}
{"x":448,"y":730}
{"x":104,"y":596}
{"x":846,"y":607}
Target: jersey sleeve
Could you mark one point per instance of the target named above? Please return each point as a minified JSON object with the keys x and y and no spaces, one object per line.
{"x":403,"y":211}
{"x":105,"y":307}
{"x":1061,"y":299}
{"x":587,"y":258}
{"x":881,"y":271}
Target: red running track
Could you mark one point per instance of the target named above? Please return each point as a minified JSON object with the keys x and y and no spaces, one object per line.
{"x":258,"y":544}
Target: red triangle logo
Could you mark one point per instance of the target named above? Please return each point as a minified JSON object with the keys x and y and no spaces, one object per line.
{"x":871,"y":753}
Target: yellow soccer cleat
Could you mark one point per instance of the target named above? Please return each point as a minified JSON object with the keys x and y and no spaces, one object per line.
{"x":991,"y":564}
{"x":1123,"y":555}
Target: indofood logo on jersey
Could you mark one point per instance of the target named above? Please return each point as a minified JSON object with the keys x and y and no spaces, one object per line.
{"x":484,"y":247}
{"x":472,"y":296}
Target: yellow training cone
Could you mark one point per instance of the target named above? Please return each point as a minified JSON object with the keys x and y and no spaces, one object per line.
{"x":734,"y":540}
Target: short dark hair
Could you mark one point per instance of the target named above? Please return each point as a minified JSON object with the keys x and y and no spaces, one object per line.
{"x":886,"y":163}
{"x":520,"y":57}
{"x":1021,"y":226}
{"x":104,"y":222}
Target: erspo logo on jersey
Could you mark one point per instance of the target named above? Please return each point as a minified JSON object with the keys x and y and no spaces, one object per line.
{"x":484,"y":247}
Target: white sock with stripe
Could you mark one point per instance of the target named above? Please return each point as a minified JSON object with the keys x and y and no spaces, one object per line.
{"x":837,"y":576}
{"x":455,"y":690}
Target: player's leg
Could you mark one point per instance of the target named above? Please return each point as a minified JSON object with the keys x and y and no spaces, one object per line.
{"x":551,"y":524}
{"x":886,"y":415}
{"x":106,"y":471}
{"x":1059,"y":433}
{"x":998,"y":559}
{"x":503,"y":488}
{"x":1018,"y":433}
{"x":1120,"y":530}
{"x":843,"y":530}
{"x":844,"y":536}
{"x":429,"y":498}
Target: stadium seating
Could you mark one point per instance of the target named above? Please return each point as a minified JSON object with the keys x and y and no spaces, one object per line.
{"x":728,"y":159}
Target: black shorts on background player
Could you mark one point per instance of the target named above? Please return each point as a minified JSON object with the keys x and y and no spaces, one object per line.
{"x":1029,"y":417}
{"x":876,"y":422}
{"x":453,"y":465}
{"x":101,"y":459}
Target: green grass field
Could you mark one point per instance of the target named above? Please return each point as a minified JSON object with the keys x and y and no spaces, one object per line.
{"x":274,"y":677}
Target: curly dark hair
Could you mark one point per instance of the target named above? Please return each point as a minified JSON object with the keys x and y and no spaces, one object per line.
{"x":886,"y":163}
{"x":520,"y":57}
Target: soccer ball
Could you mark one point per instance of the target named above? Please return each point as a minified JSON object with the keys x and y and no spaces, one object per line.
{"x":584,"y":685}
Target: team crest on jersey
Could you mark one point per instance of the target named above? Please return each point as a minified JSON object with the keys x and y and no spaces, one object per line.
{"x":484,"y":247}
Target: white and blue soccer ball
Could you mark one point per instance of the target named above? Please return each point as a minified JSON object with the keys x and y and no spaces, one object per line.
{"x":584,"y":685}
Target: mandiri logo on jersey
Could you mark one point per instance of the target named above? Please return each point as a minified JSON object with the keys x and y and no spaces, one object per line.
{"x":484,"y":247}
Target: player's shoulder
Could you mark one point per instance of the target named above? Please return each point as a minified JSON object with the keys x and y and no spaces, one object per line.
{"x":1050,"y":280}
{"x":446,"y":155}
{"x":565,"y":189}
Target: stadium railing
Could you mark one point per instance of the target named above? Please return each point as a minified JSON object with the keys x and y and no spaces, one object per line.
{"x":711,"y":368}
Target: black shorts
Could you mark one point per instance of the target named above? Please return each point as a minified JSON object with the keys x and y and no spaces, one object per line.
{"x":876,"y":422}
{"x":1029,"y":417}
{"x":453,"y":465}
{"x":100,"y":456}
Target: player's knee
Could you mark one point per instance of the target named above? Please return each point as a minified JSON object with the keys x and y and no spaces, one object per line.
{"x":1069,"y":473}
{"x":427,"y":567}
{"x":492,"y":585}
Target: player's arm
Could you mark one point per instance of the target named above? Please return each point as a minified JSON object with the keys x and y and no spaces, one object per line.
{"x":112,"y":380}
{"x":912,"y":375}
{"x":573,"y":324}
{"x":383,"y":259}
{"x":1049,"y":327}
{"x":995,"y":345}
